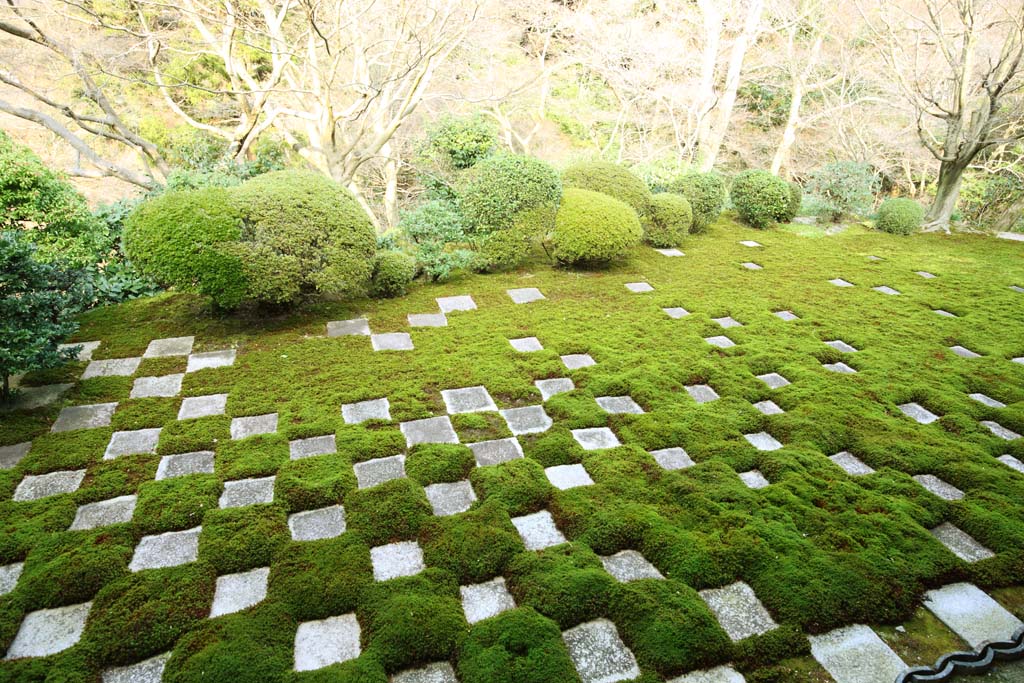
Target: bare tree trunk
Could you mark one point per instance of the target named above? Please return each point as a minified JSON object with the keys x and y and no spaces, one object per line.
{"x":390,"y":187}
{"x":947,"y":191}
{"x":781,"y":157}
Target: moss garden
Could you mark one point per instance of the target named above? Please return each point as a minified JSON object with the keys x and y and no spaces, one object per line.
{"x":313,"y":543}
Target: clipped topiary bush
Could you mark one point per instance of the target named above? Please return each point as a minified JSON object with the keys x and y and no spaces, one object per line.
{"x":760,"y":198}
{"x":462,"y":142}
{"x":706,"y":194}
{"x":669,"y":220}
{"x":900,"y":216}
{"x":503,"y":186}
{"x":796,"y":198}
{"x":392,"y":273}
{"x":508,"y":248}
{"x":611,"y":179}
{"x":843,"y":187}
{"x":591,"y":227}
{"x":438,"y":231}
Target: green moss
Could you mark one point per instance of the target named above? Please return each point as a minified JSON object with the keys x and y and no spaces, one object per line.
{"x":392,"y":511}
{"x":177,"y":503}
{"x":519,"y":485}
{"x":364,"y":442}
{"x":239,"y":539}
{"x":256,"y":456}
{"x":437,"y":462}
{"x":144,"y":413}
{"x":71,"y":567}
{"x":480,"y":427}
{"x":518,"y":646}
{"x":475,"y":546}
{"x":66,"y":450}
{"x":113,"y":478}
{"x":319,"y":579}
{"x":314,"y":482}
{"x":567,"y":583}
{"x":197,"y":434}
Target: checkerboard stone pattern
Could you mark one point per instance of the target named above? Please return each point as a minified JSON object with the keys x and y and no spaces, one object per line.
{"x":629,"y":565}
{"x":538,"y":530}
{"x":210,"y":359}
{"x":429,"y":430}
{"x":84,"y":417}
{"x":526,"y":420}
{"x":599,"y":654}
{"x":316,"y":525}
{"x":166,"y":550}
{"x":484,"y":600}
{"x":182,"y":464}
{"x":374,"y":409}
{"x":253,"y":425}
{"x":104,"y":513}
{"x":147,"y":671}
{"x":971,"y":614}
{"x":236,"y":592}
{"x":450,"y":498}
{"x":855,"y":654}
{"x":738,"y":610}
{"x":404,"y":558}
{"x":496,"y":451}
{"x":325,"y":642}
{"x":49,"y":631}
{"x":36,"y":486}
{"x":173,"y":346}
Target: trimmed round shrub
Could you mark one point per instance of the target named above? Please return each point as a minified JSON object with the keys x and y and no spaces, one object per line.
{"x":669,"y":220}
{"x":611,"y":179}
{"x":900,"y":216}
{"x":760,"y":198}
{"x":310,"y":225}
{"x":462,"y":142}
{"x":502,"y":186}
{"x":843,"y":188}
{"x":796,"y":197}
{"x":591,"y":227}
{"x":706,"y":194}
{"x":184,"y":240}
{"x":392,"y":273}
{"x":508,"y":248}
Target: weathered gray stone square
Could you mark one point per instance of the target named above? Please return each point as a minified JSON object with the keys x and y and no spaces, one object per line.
{"x":855,"y":654}
{"x":84,"y":417}
{"x":464,"y":302}
{"x":182,"y":464}
{"x":496,"y":451}
{"x":347,"y":328}
{"x":768,"y":408}
{"x":147,"y":671}
{"x":750,"y":265}
{"x":727,"y":321}
{"x":840,"y":282}
{"x":719,"y":674}
{"x":313,"y":446}
{"x":132,"y":442}
{"x":999,"y":430}
{"x":316,"y":525}
{"x":113,"y":367}
{"x":786,"y":315}
{"x":524,"y":295}
{"x":253,"y":425}
{"x":210,"y":359}
{"x":84,"y":353}
{"x":157,"y":387}
{"x":450,"y":498}
{"x":840,"y":367}
{"x":919,"y":413}
{"x":438,"y":672}
{"x":1011,"y":462}
{"x":598,"y":653}
{"x":987,"y":400}
{"x":971,"y":614}
{"x":574,"y":361}
{"x":945,"y":314}
{"x":629,"y":565}
{"x":676,"y":312}
{"x":940,"y":488}
{"x":595,"y":438}
{"x":754,"y":479}
{"x":885,"y":289}
{"x":670,"y":252}
{"x":674,"y":458}
{"x":429,"y":430}
{"x":526,"y":420}
{"x":390,"y":561}
{"x":738,"y":610}
{"x":243,"y":492}
{"x":9,"y":575}
{"x":467,"y":400}
{"x":750,"y":243}
{"x":36,"y":486}
{"x":851,"y":464}
{"x":702,"y":393}
{"x":925,"y":274}
{"x":840,"y":345}
{"x":391,"y":341}
{"x":379,"y":470}
{"x":427,"y":320}
{"x":484,"y":600}
{"x":104,"y":513}
{"x":202,"y":406}
{"x":720,"y":341}
{"x":564,"y":477}
{"x":964,"y":352}
{"x":166,"y":550}
{"x":553,"y":387}
{"x":236,"y":592}
{"x":538,"y":530}
{"x":49,"y":631}
{"x":639,"y":287}
{"x":172,"y":346}
{"x":325,"y":642}
{"x":1017,"y":288}
{"x":526,"y":344}
{"x":960,"y":543}
{"x":619,"y":405}
{"x":763,"y":441}
{"x":375,"y":409}
{"x":774,"y":380}
{"x":10,"y":456}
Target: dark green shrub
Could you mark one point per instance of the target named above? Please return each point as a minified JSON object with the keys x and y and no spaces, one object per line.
{"x":611,"y":179}
{"x":669,"y":220}
{"x":591,"y":227}
{"x":900,"y":216}
{"x":706,"y":194}
{"x":179,"y":239}
{"x":796,"y":198}
{"x":392,"y":273}
{"x":843,"y":187}
{"x":760,"y":198}
{"x":438,"y":231}
{"x":508,"y":248}
{"x":462,"y":142}
{"x":503,"y":186}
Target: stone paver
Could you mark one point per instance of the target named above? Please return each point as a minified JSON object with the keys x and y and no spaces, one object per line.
{"x":720,"y":674}
{"x":84,"y":417}
{"x":552,"y":387}
{"x":574,"y":361}
{"x":236,"y":592}
{"x":754,"y":479}
{"x":113,"y":367}
{"x":375,"y":409}
{"x":390,"y":561}
{"x":564,"y":477}
{"x":496,"y":451}
{"x":774,"y":380}
{"x":720,"y":341}
{"x":987,"y":400}
{"x":346,"y":328}
{"x":182,"y":464}
{"x":855,"y":654}
{"x":945,"y":314}
{"x":450,"y":498}
{"x":391,"y":341}
{"x":840,"y":367}
{"x":1011,"y":462}
{"x":427,"y":320}
{"x":438,"y":672}
{"x":429,"y":430}
{"x":750,"y":265}
{"x":484,"y":600}
{"x":768,"y":408}
{"x":960,"y":543}
{"x":30,"y":398}
{"x":467,"y":400}
{"x":1016,"y":288}
{"x":750,"y":243}
{"x":526,"y":420}
{"x":166,"y":386}
{"x":464,"y":302}
{"x":202,"y":406}
{"x":971,"y":614}
{"x":999,"y":430}
{"x":738,"y":610}
{"x":526,"y":344}
{"x":629,"y":565}
{"x":84,"y":353}
{"x":104,"y":513}
{"x":538,"y":530}
{"x":786,"y":315}
{"x":917,"y":412}
{"x":840,"y":282}
{"x":49,"y":631}
{"x":639,"y":287}
{"x":964,"y":352}
{"x":147,"y":671}
{"x":9,"y":575}
{"x":840,"y":345}
{"x":595,"y":438}
{"x":670,"y":252}
{"x":598,"y":653}
{"x":619,"y":405}
{"x":325,"y":642}
{"x":10,"y":456}
{"x":763,"y":441}
{"x":727,"y":322}
{"x":210,"y":359}
{"x":524,"y":295}
{"x":379,"y":470}
{"x":886,"y":289}
{"x":702,"y":393}
{"x":676,"y":312}
{"x":940,"y":488}
{"x":132,"y":442}
{"x":172,"y":346}
{"x":674,"y":458}
{"x":313,"y":446}
{"x":315,"y":525}
{"x":243,"y":492}
{"x":925,"y":274}
{"x":166,"y":550}
{"x":253,"y":425}
{"x":851,"y":464}
{"x":36,"y":486}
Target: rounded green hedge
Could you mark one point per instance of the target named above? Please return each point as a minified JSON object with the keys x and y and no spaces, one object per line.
{"x":392,"y":273}
{"x":796,"y":198}
{"x":900,"y":216}
{"x":760,"y":198}
{"x":591,"y":227}
{"x":611,"y":179}
{"x":669,"y":221}
{"x":184,"y":239}
{"x":706,"y":194}
{"x":502,"y":186}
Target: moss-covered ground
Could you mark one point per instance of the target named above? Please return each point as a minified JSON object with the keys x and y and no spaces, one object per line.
{"x":819,"y":548}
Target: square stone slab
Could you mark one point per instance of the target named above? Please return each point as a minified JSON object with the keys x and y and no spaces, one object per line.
{"x":182,"y":464}
{"x":172,"y":346}
{"x":236,"y":592}
{"x":391,"y":341}
{"x":49,"y":631}
{"x":750,"y":265}
{"x":676,"y":312}
{"x":104,"y":513}
{"x":841,"y":368}
{"x":774,"y":380}
{"x":874,"y":258}
{"x":429,"y":430}
{"x":464,"y":302}
{"x":595,"y":438}
{"x":10,"y":456}
{"x":754,"y":479}
{"x":1011,"y":462}
{"x":379,"y":470}
{"x":738,"y":610}
{"x":202,"y":406}
{"x":147,"y":671}
{"x":325,"y":642}
{"x":917,"y":412}
{"x":720,"y":341}
{"x":987,"y":400}
{"x":450,"y":499}
{"x":925,"y":274}
{"x":552,"y":387}
{"x":313,"y":446}
{"x":376,"y":409}
{"x":29,"y":398}
{"x":315,"y":525}
{"x":427,"y":320}
{"x":243,"y":492}
{"x":938,"y":487}
{"x":1017,"y":288}
{"x":564,"y":477}
{"x":840,"y":282}
{"x":166,"y":550}
{"x":526,"y":344}
{"x":768,"y":408}
{"x":157,"y":387}
{"x":524,"y":295}
{"x":840,"y":345}
{"x":396,"y":559}
{"x":347,"y":328}
{"x":526,"y":420}
{"x":670,"y":252}
{"x":496,"y":451}
{"x":619,"y":405}
{"x":964,"y":352}
{"x":960,"y":543}
{"x":253,"y":425}
{"x":639,"y":287}
{"x":84,"y":417}
{"x":36,"y":486}
{"x":629,"y":565}
{"x":113,"y":367}
{"x":720,"y":674}
{"x":468,"y":400}
{"x":885,"y":289}
{"x":674,"y":458}
{"x":9,"y":575}
{"x":763,"y":441}
{"x":702,"y":393}
{"x":786,"y":315}
{"x":728,"y":321}
{"x":574,"y":361}
{"x":84,"y":353}
{"x":855,"y":654}
{"x":438,"y":672}
{"x":598,"y":653}
{"x":538,"y":530}
{"x":971,"y":614}
{"x":999,"y":430}
{"x":945,"y":314}
{"x":750,"y":243}
{"x":132,"y":442}
{"x":851,"y":464}
{"x":210,"y":359}
{"x":483,"y":600}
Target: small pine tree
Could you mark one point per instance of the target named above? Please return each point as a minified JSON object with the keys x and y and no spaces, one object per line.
{"x":38,"y":303}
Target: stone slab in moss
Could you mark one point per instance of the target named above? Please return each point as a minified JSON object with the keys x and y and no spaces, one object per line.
{"x":674,"y":458}
{"x":210,"y":359}
{"x":727,"y":322}
{"x":9,"y":574}
{"x":450,"y":498}
{"x":166,"y":386}
{"x":960,"y":543}
{"x":750,"y":265}
{"x":575,"y":361}
{"x":170,"y":346}
{"x":84,"y":417}
{"x":316,"y":525}
{"x":1012,"y":462}
{"x":467,"y":400}
{"x":526,"y":344}
{"x":85,"y":351}
{"x":370,"y":473}
{"x":964,"y":352}
{"x":37,"y":486}
{"x":840,"y":345}
{"x":166,"y":550}
{"x":427,"y":320}
{"x":202,"y":406}
{"x":670,"y":252}
{"x":885,"y":289}
{"x":774,"y":380}
{"x":987,"y":400}
{"x":243,"y":492}
{"x":112,"y":367}
{"x":553,"y":387}
{"x":768,"y":408}
{"x":720,"y":341}
{"x":527,"y":420}
{"x":855,"y":654}
{"x":325,"y":642}
{"x":429,"y":430}
{"x":30,"y":398}
{"x":253,"y":425}
{"x":702,"y":393}
{"x":972,"y":614}
{"x":738,"y":610}
{"x":840,"y":282}
{"x":999,"y":430}
{"x":391,"y":341}
{"x":311,"y":447}
{"x":763,"y":441}
{"x":132,"y":442}
{"x":918,"y":413}
{"x":754,"y":479}
{"x":599,"y":654}
{"x":676,"y":312}
{"x":484,"y":600}
{"x":938,"y":487}
{"x":49,"y":631}
{"x":630,"y":565}
{"x":538,"y":530}
{"x":104,"y":513}
{"x":394,"y":560}
{"x":841,"y":368}
{"x":639,"y":287}
{"x":525,"y":295}
{"x":851,"y":464}
{"x":182,"y":464}
{"x":438,"y":672}
{"x":596,"y":438}
{"x":147,"y":671}
{"x":461,"y":302}
{"x":496,"y":451}
{"x":719,"y":674}
{"x":786,"y":315}
{"x":564,"y":477}
{"x":374,"y":409}
{"x":236,"y":592}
